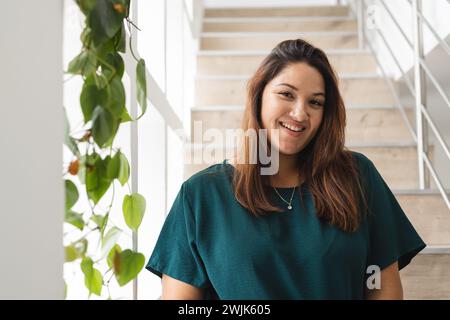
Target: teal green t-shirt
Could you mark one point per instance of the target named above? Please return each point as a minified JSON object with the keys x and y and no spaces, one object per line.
{"x":210,"y":241}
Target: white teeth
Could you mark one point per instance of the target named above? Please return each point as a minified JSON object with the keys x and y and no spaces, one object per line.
{"x":296,"y":129}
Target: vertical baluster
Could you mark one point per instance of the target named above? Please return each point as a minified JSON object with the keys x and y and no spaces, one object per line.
{"x":361,"y":23}
{"x":420,"y":98}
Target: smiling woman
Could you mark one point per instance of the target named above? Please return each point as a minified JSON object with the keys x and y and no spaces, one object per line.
{"x":312,"y":230}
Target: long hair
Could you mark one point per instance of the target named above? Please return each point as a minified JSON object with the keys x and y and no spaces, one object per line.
{"x":328,"y":167}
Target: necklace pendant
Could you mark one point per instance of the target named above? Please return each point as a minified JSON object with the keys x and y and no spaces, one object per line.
{"x":289,"y":207}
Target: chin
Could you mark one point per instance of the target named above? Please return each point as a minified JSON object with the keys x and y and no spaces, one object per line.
{"x":289,"y":150}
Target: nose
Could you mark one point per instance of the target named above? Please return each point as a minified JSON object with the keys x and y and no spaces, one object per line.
{"x":299,"y":111}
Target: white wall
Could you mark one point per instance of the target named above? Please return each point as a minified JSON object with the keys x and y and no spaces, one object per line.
{"x":166,"y":45}
{"x":31,"y":137}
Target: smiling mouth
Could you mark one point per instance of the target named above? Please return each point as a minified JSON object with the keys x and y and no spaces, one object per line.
{"x":292,"y":128}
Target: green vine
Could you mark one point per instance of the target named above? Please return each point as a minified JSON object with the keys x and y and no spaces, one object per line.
{"x":96,"y":164}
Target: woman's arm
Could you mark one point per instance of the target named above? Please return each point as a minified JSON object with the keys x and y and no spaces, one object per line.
{"x":391,"y":285}
{"x":173,"y":289}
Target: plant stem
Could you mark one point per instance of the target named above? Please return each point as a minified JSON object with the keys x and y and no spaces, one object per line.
{"x":112,"y":198}
{"x":84,"y":236}
{"x":130,"y":42}
{"x":131,"y":22}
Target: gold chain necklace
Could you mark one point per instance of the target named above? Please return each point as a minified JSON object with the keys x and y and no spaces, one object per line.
{"x":290,"y":201}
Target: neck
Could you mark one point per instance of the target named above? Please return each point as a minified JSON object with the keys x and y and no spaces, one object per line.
{"x":287,"y":175}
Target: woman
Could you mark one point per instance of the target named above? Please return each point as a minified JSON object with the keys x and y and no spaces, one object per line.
{"x":324,"y":226}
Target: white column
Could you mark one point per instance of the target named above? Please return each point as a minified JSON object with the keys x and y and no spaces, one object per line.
{"x":31,"y":137}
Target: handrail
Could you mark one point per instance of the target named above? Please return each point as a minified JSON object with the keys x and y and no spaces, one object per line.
{"x":435,"y":82}
{"x":433,"y":31}
{"x":436,"y":179}
{"x":395,"y":94}
{"x":421,"y":137}
{"x":397,"y":24}
{"x":389,"y":81}
{"x":436,"y":131}
{"x":421,"y":61}
{"x":404,"y":75}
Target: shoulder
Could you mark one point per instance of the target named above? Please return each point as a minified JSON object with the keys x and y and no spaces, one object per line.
{"x":368,"y":172}
{"x":363,"y":162}
{"x":361,"y":158}
{"x":372,"y":178}
{"x":215,"y":175}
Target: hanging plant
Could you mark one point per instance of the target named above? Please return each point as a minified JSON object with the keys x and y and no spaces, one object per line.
{"x":96,"y":163}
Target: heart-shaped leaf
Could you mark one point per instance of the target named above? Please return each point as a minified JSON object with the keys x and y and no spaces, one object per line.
{"x":84,"y":64}
{"x":116,"y":97}
{"x":104,"y":126}
{"x":90,"y":98}
{"x":105,"y":20}
{"x":127,"y":265}
{"x":133,"y":210}
{"x":124,"y":169}
{"x":141,"y":86}
{"x":68,"y":140}
{"x":97,"y":182}
{"x":75,"y":219}
{"x":111,"y":255}
{"x":110,"y":239}
{"x":71,"y":194}
{"x":92,"y":277}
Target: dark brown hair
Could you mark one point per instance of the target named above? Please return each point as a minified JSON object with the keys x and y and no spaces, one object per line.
{"x":327,"y":166}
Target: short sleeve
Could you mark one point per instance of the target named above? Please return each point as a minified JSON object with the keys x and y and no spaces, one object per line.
{"x":175,"y":253}
{"x":392,"y":236}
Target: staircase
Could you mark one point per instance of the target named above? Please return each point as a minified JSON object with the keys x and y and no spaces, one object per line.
{"x":233,"y":43}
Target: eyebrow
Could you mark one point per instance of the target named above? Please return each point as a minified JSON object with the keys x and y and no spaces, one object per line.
{"x":291,"y":86}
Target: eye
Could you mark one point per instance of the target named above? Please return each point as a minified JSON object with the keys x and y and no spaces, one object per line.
{"x":317,"y":103}
{"x":286,"y":94}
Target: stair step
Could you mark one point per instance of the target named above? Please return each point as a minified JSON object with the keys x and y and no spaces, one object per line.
{"x":363,"y":125}
{"x":245,"y":65}
{"x":267,"y":41}
{"x":267,"y":25}
{"x":427,"y":277}
{"x":429,"y":215}
{"x":305,"y":11}
{"x":397,"y":165}
{"x":377,"y":125}
{"x":354,"y":91}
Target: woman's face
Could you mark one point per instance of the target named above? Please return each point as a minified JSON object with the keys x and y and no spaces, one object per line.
{"x":293,"y":100}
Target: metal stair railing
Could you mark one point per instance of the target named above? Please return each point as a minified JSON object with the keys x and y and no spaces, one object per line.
{"x":418,"y":89}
